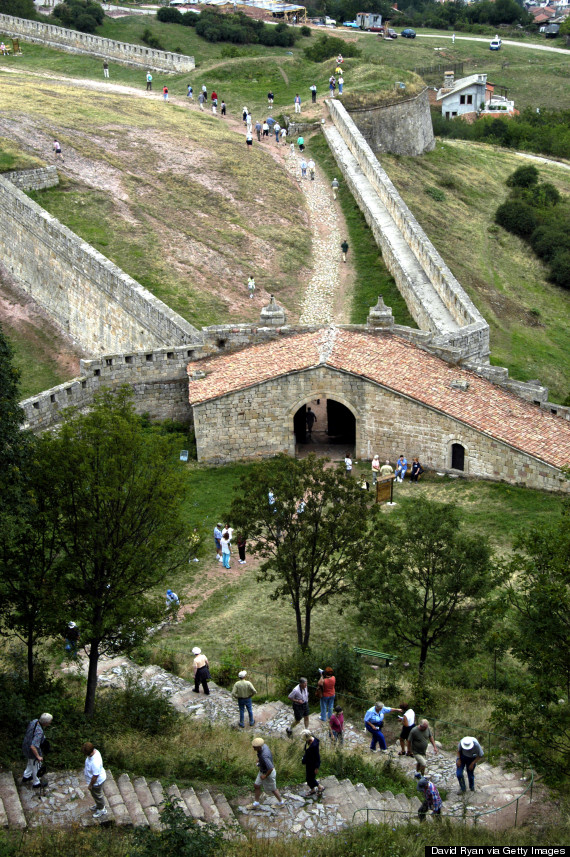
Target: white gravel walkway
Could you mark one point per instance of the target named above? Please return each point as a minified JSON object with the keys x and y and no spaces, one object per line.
{"x":323,"y":287}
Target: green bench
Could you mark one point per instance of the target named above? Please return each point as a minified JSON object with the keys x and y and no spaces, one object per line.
{"x":371,"y":654}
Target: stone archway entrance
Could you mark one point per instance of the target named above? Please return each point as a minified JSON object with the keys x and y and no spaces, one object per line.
{"x":330,"y":431}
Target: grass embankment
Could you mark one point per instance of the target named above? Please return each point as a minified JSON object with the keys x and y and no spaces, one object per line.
{"x":454,"y":192}
{"x":13,"y":158}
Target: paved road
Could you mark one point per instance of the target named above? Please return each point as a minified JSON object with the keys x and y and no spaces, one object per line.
{"x":505,"y":42}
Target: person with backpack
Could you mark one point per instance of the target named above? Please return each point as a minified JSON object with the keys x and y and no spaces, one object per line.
{"x":34,"y":746}
{"x":148,"y":81}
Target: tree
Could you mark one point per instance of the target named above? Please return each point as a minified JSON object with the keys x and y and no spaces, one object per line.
{"x":539,"y":595}
{"x":18,"y":8}
{"x":118,"y":491}
{"x":313,"y":537}
{"x":429,"y":580}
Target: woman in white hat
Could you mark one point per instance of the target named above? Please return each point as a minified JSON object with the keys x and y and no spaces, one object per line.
{"x":201,"y":671}
{"x":469,"y":752}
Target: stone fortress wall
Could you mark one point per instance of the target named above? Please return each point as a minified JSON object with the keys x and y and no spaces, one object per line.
{"x":38,"y":179}
{"x":75,"y":42}
{"x":448,"y":312}
{"x":88,"y":297}
{"x":403,"y":128}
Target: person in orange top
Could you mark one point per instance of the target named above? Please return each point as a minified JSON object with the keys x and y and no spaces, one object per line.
{"x":327,"y":684}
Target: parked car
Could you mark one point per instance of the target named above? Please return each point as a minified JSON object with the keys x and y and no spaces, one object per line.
{"x":495,"y":44}
{"x":389,"y":33}
{"x":354,"y":24}
{"x":408,"y":33}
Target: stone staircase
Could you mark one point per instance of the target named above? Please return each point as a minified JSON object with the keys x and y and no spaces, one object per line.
{"x":131,"y":802}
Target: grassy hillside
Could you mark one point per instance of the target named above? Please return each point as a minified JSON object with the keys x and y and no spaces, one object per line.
{"x":528,"y":315}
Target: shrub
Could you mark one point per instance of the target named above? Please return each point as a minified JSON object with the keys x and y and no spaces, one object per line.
{"x":170,"y":15}
{"x":546,"y":242}
{"x":517,"y":217}
{"x":181,"y":836}
{"x":560,"y":269}
{"x":525,"y":176}
{"x":190,"y":19}
{"x":86,"y":23}
{"x":141,"y":708}
{"x":346,"y":664}
{"x":329,"y":46}
{"x":152,"y":41}
{"x":435,"y":193}
{"x":306,"y":31}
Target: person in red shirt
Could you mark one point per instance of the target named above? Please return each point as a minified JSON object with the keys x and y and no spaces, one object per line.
{"x":327,"y":684}
{"x":336,"y":726}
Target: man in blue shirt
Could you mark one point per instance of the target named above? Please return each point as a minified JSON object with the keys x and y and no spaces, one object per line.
{"x":218,"y":541}
{"x":373,"y":722}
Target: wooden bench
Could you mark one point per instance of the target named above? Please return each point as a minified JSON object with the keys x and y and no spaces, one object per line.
{"x":371,"y":654}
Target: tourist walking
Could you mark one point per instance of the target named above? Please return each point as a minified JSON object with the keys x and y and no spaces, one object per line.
{"x":334,"y":185}
{"x":165,"y":93}
{"x":311,"y":166}
{"x":344,"y":248}
{"x":303,"y":169}
{"x":34,"y":746}
{"x":249,"y":139}
{"x":241,"y":543}
{"x":205,"y":93}
{"x":172,"y":604}
{"x":420,"y":736}
{"x":244,"y":113}
{"x":332,"y":85}
{"x":105,"y":68}
{"x":267,"y":775}
{"x":408,"y":719}
{"x":148,"y":81}
{"x":71,"y":639}
{"x":243,"y":690}
{"x":190,"y":92}
{"x":57,"y":150}
{"x":375,"y":469}
{"x":301,"y":144}
{"x":276,"y":130}
{"x":223,"y":108}
{"x":469,"y":752}
{"x":258,"y":130}
{"x":340,"y":84}
{"x":265,"y":129}
{"x":226,"y":550}
{"x":374,"y":721}
{"x":327,"y":685}
{"x":312,"y":762}
{"x":251,"y":286}
{"x":297,"y":103}
{"x":336,"y":726}
{"x":431,"y":799}
{"x":201,"y":100}
{"x":299,"y":697}
{"x":95,"y":776}
{"x":270,"y":98}
{"x":310,"y":419}
{"x":201,"y":670}
{"x":313,"y":89}
{"x":347,"y":465}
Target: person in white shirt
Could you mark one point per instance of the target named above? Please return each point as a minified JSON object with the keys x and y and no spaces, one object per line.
{"x":408,"y":719}
{"x":95,"y":776}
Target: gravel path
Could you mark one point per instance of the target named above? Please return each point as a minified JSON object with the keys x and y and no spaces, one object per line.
{"x":322,"y":290}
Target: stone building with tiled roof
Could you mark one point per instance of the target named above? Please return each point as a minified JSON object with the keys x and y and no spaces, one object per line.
{"x":398,"y":397}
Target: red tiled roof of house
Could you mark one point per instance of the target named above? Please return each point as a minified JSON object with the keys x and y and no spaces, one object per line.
{"x":400,"y":366}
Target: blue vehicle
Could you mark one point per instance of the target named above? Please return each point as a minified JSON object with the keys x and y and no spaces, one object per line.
{"x":354,"y":24}
{"x":408,"y":33}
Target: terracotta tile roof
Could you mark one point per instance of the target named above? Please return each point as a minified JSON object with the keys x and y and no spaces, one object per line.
{"x":400,"y":366}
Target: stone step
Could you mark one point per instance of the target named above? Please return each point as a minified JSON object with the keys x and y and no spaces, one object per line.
{"x":370,"y":803}
{"x":174,"y":792}
{"x":225,"y":810}
{"x":115,"y":800}
{"x":11,"y":802}
{"x":157,"y":792}
{"x":194,"y":806}
{"x":131,"y":801}
{"x":211,"y":812}
{"x":146,"y":800}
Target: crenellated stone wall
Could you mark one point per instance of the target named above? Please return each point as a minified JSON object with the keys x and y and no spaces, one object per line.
{"x":37,"y":179}
{"x":84,"y":43}
{"x":85,"y":294}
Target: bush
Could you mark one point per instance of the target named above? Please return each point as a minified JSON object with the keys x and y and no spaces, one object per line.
{"x":150,"y":40}
{"x":517,"y":217}
{"x":560,"y":269}
{"x":141,"y":708}
{"x":523,"y":177}
{"x":86,"y":23}
{"x":547,"y":242}
{"x":435,"y":193}
{"x":190,"y":19}
{"x":329,"y":46}
{"x":306,"y":31}
{"x":170,"y":15}
{"x":181,"y":835}
{"x":346,"y":664}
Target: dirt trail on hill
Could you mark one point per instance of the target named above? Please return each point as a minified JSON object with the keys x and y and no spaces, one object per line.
{"x":327,"y":295}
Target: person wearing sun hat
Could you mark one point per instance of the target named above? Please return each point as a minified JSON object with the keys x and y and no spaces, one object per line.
{"x":201,"y":671}
{"x":267,"y":775}
{"x":243,"y":690}
{"x":469,"y":752}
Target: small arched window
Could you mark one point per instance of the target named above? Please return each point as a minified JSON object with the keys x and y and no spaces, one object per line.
{"x":457,"y":456}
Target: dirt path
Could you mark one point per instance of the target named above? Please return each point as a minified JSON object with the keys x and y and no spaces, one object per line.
{"x":326,"y":299}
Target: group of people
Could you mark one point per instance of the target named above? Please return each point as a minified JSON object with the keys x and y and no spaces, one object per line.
{"x":400,"y":471}
{"x":223,"y":536}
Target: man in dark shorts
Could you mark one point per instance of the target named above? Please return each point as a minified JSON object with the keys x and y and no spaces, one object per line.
{"x":299,"y":696}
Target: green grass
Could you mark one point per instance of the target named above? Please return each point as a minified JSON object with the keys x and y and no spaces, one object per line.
{"x":528,"y":316}
{"x":12,"y":157}
{"x":372,"y":277}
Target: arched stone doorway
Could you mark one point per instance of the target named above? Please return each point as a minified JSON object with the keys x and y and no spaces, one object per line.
{"x":324,"y":426}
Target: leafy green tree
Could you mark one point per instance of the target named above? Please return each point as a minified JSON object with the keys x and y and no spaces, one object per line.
{"x":428,"y":582}
{"x":526,"y":176}
{"x":312,"y":538}
{"x":539,"y":594}
{"x":18,"y":8}
{"x":118,"y":491}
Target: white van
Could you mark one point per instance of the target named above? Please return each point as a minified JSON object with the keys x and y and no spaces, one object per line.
{"x":495,"y":44}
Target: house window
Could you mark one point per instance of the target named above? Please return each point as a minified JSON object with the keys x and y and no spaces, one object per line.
{"x":462,"y":99}
{"x":457,"y":456}
{"x":454,"y":113}
{"x":469,"y":99}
